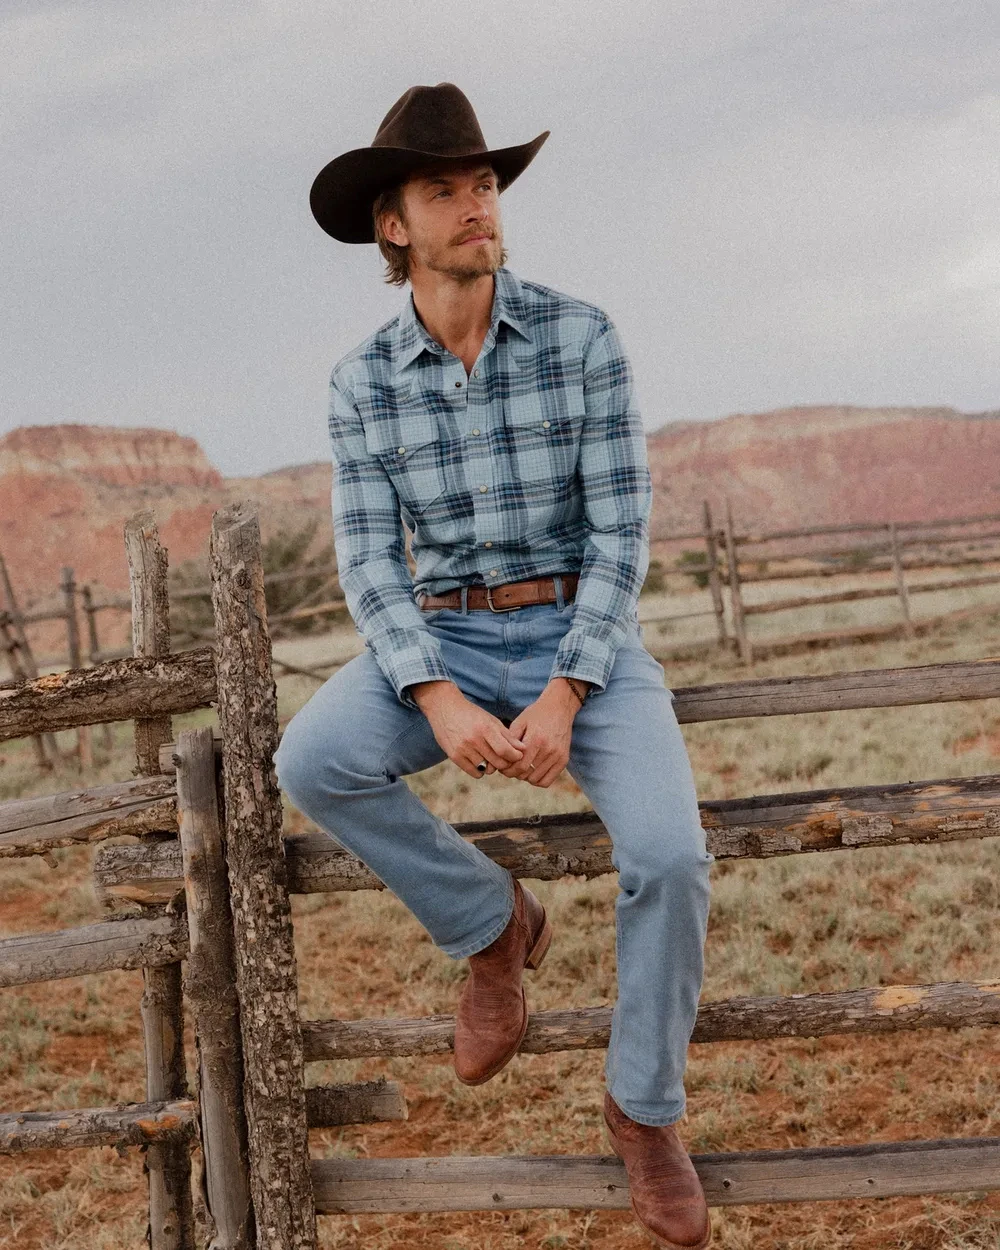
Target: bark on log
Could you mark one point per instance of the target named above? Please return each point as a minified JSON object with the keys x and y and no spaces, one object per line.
{"x":115,"y":691}
{"x":577,"y":843}
{"x":76,"y":817}
{"x":599,"y":1182}
{"x":265,"y":951}
{"x":121,"y":943}
{"x":882,"y":1009}
{"x":171,"y":1217}
{"x":363,"y":1102}
{"x":211,"y":991}
{"x":131,"y":1124}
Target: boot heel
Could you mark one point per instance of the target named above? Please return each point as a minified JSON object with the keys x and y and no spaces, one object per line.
{"x":537,"y":953}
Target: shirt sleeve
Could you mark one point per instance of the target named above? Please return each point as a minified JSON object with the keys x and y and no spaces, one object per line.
{"x":371,"y":557}
{"x":617,"y":492}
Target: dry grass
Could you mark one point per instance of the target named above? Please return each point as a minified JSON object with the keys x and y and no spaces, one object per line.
{"x":782,"y":926}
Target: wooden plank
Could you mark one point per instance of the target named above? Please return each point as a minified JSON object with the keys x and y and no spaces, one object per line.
{"x":128,"y":942}
{"x":360,"y":1102}
{"x":600,"y":1182}
{"x":714,"y":581}
{"x":897,"y":568}
{"x":143,"y":1123}
{"x":864,"y":688}
{"x":211,"y":991}
{"x":78,"y":817}
{"x":743,"y":644}
{"x":266,"y":978}
{"x":548,"y":847}
{"x":84,"y":739}
{"x":22,"y":659}
{"x":880,"y":1009}
{"x":171,"y":1218}
{"x":116,"y":690}
{"x":844,"y":568}
{"x":130,"y":1124}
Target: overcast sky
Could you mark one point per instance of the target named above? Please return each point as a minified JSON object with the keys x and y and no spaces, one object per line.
{"x":778,"y":201}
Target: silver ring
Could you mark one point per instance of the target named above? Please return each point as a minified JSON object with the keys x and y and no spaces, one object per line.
{"x":482,"y":766}
{"x":531,"y":766}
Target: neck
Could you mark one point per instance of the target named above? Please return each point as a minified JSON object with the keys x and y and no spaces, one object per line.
{"x":456,"y":313}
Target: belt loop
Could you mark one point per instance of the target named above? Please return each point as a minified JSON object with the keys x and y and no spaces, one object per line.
{"x":465,"y":600}
{"x":560,"y":601}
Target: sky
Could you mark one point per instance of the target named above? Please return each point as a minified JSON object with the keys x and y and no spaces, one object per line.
{"x":778,"y":202}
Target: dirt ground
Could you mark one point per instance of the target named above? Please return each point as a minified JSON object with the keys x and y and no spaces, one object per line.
{"x":793,"y":925}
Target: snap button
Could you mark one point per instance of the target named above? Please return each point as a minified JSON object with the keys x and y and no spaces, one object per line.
{"x":546,"y":424}
{"x":483,"y":490}
{"x":458,"y":383}
{"x":487,"y":544}
{"x":475,"y":373}
{"x":475,"y":431}
{"x":494,"y":572}
{"x":401,"y":450}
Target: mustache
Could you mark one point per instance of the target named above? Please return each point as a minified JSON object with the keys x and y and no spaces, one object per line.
{"x":475,"y":234}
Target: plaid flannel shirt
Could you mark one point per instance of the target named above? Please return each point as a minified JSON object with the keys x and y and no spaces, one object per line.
{"x":534,"y":464}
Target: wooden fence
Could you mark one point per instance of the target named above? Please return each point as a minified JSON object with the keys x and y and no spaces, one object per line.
{"x":212,"y":874}
{"x":733,"y":560}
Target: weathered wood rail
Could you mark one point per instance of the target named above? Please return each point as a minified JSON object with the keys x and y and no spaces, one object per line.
{"x":211,"y":876}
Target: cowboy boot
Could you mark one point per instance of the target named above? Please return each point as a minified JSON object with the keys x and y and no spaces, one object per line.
{"x":664,"y":1189}
{"x":492,"y":1015}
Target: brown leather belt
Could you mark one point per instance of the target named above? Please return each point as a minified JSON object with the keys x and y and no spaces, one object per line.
{"x":507,"y":597}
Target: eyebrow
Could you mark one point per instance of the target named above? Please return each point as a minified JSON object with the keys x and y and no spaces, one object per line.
{"x":444,"y":180}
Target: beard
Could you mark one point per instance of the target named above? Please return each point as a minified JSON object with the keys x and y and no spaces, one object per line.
{"x":463,"y":262}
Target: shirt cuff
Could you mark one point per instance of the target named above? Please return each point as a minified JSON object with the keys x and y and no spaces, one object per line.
{"x":581,"y":655}
{"x":413,"y":665}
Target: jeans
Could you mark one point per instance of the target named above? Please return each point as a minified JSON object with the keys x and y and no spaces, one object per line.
{"x":342,"y":759}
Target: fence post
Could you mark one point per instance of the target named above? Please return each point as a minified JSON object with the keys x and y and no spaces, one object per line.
{"x":22,"y":663}
{"x":266,"y":980}
{"x":743,"y":644}
{"x":714,"y":581}
{"x":897,"y":565}
{"x":94,"y":648}
{"x":171,"y":1217}
{"x":67,"y":585}
{"x":210,"y":985}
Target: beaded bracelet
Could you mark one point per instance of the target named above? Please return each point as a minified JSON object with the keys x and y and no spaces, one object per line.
{"x":572,"y":686}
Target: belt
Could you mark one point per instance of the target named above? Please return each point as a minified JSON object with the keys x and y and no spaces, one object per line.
{"x":507,"y":597}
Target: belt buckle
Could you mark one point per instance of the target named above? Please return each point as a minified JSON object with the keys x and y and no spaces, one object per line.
{"x":489,"y":601}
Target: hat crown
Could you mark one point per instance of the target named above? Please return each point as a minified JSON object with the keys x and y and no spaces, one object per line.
{"x":438,"y":120}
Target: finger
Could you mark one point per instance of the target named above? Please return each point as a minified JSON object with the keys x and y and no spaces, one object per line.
{"x":550,"y":774}
{"x":529,"y":767}
{"x":507,"y":752}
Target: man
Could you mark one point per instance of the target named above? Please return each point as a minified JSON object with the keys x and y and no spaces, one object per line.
{"x":495,"y":418}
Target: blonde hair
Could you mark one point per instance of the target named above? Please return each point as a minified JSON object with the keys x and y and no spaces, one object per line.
{"x":397,"y":265}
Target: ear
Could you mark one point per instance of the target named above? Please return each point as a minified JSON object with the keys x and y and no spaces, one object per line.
{"x":394,"y":230}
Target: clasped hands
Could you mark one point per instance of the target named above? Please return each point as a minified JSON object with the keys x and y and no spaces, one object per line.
{"x":534,"y":748}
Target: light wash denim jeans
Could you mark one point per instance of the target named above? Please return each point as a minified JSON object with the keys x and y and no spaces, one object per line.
{"x":342,"y":759}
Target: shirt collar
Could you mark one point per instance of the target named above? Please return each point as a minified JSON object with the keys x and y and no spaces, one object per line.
{"x":508,"y":306}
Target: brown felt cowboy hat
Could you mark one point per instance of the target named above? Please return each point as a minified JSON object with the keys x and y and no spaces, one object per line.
{"x":425,"y":124}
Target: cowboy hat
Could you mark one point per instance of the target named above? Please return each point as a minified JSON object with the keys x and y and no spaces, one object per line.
{"x":425,"y":125}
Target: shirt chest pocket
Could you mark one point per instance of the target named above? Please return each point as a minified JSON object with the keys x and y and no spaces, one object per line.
{"x":543,"y":433}
{"x":410,"y":451}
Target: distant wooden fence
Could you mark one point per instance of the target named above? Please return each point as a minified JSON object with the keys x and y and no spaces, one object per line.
{"x":211,"y":874}
{"x":734,"y":560}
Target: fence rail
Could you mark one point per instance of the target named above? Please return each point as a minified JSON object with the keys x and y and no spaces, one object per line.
{"x":217,"y":895}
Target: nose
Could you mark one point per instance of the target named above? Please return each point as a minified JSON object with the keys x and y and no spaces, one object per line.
{"x":474,"y":209}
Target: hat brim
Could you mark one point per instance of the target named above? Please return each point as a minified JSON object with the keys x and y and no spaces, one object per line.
{"x":344,"y":190}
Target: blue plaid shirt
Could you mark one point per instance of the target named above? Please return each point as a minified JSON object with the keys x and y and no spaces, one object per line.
{"x":533,"y":464}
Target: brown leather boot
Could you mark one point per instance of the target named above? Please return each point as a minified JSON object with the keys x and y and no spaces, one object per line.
{"x":666,"y":1194}
{"x":492,"y":1016}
